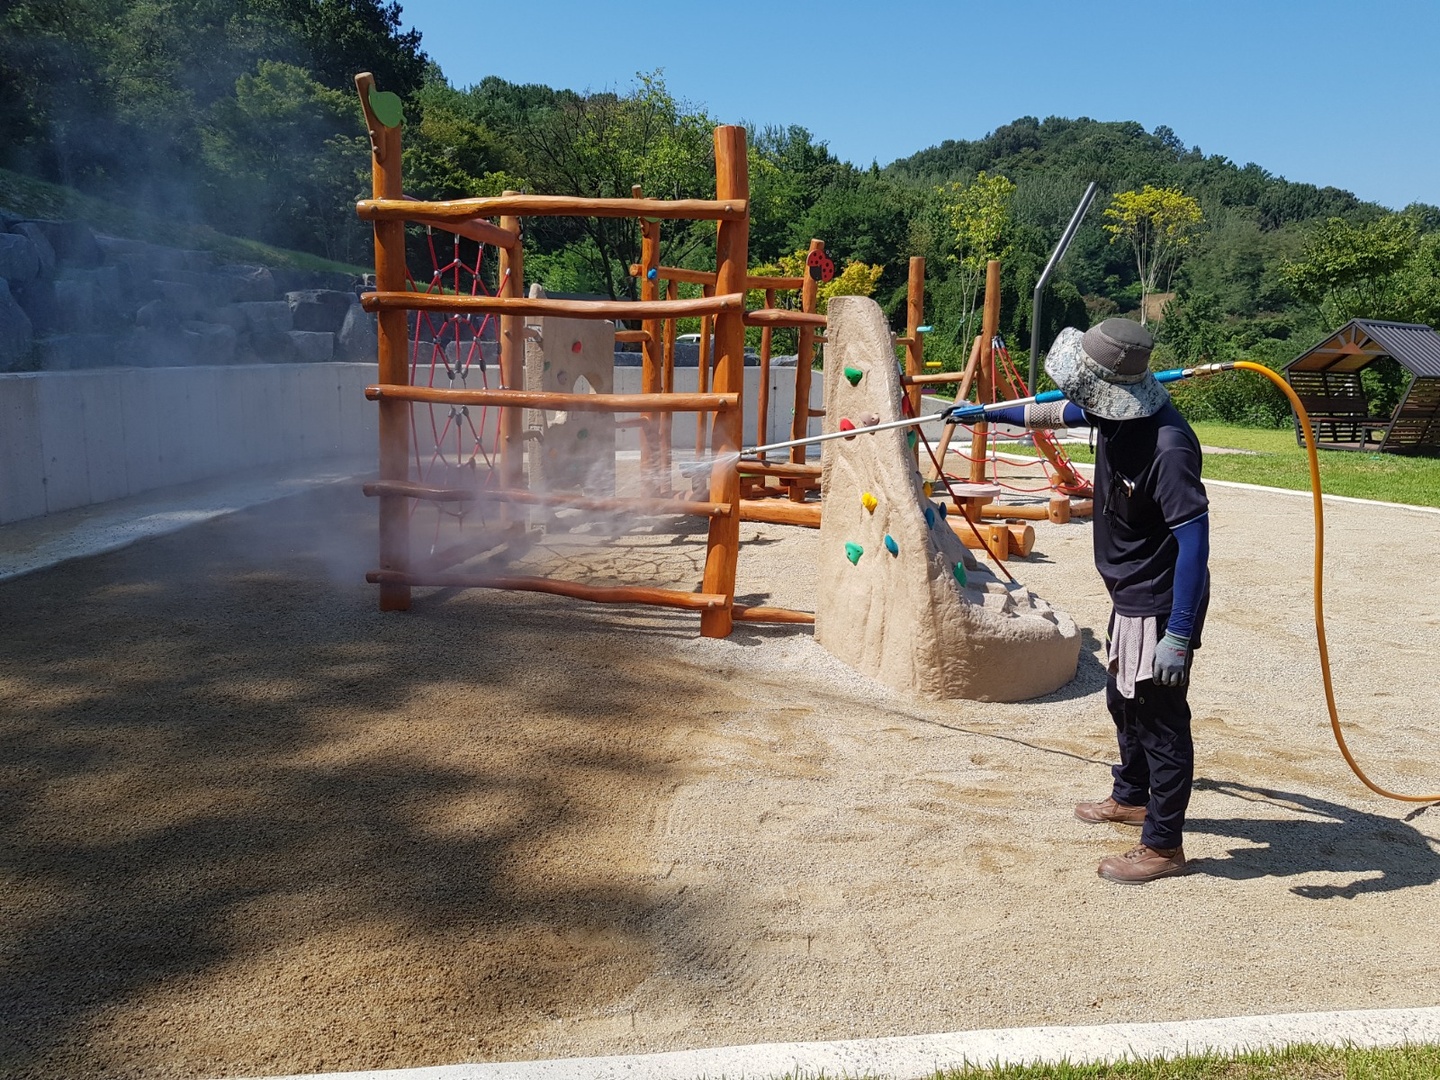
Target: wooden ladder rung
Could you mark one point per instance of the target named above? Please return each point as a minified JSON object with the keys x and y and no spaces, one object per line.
{"x":599,"y":594}
{"x":656,"y":507}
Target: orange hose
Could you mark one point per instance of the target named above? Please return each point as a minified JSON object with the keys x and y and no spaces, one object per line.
{"x":1304,"y":419}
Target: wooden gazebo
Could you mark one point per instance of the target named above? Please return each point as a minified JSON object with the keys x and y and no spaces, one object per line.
{"x":1327,"y":381}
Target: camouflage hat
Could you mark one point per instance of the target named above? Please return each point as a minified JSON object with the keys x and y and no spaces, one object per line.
{"x":1106,"y":370}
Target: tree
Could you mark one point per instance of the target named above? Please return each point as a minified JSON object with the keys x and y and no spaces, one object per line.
{"x":1348,"y":271}
{"x":1158,"y":223}
{"x":599,"y":146}
{"x":979,"y":215}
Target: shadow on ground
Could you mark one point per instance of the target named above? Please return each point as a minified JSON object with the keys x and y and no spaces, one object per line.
{"x":1380,"y":854}
{"x":231,"y":788}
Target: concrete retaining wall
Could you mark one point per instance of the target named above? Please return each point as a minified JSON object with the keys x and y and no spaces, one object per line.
{"x":72,"y":438}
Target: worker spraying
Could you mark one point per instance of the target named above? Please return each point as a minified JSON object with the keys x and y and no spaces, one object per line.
{"x":1152,"y":547}
{"x":1151,"y":524}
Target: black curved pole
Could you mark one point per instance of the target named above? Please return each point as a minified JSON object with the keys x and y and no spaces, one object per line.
{"x":1055,"y":257}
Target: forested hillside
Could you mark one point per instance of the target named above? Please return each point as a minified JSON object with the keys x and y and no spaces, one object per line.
{"x":241,"y":114}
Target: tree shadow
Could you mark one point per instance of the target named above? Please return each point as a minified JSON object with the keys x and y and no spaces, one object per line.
{"x":1319,"y":836}
{"x":215,"y":753}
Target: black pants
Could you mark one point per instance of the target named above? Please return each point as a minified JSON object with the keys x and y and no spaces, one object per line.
{"x":1157,"y":757}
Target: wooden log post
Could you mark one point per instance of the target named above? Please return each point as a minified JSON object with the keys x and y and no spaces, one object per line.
{"x":732,"y":181}
{"x":805,"y":354}
{"x":914,"y":343}
{"x":762,"y":407}
{"x":985,"y":375}
{"x":667,"y":380}
{"x":652,"y":362}
{"x":512,"y":359}
{"x":393,"y":352}
{"x":960,"y":395}
{"x":702,"y":374}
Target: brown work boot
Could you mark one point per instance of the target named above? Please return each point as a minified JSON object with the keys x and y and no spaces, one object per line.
{"x":1097,"y":813}
{"x":1142,"y":864}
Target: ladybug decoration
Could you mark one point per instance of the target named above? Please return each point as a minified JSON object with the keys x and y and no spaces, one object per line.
{"x":821,"y":266}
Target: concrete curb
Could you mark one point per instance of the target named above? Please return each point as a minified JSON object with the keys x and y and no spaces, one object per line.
{"x":41,"y":542}
{"x":923,"y":1055}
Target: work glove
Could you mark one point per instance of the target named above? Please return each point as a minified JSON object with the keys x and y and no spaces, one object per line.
{"x":1171,"y":653}
{"x":963,"y":414}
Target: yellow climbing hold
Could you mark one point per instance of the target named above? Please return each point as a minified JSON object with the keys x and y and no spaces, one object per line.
{"x":928,"y":487}
{"x":869,"y":502}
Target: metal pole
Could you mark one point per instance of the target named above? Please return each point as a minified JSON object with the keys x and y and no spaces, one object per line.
{"x":1055,"y":257}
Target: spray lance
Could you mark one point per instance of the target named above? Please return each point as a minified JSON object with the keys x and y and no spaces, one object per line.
{"x":966,"y":412}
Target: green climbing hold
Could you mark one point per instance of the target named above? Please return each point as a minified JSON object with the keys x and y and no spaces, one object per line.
{"x":912,"y":440}
{"x":582,"y":434}
{"x":890,"y":545}
{"x":387,"y":108}
{"x":853,"y":553}
{"x":854,"y":374}
{"x":960,"y":573}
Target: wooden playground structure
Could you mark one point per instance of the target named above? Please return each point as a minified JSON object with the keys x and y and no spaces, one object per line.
{"x":728,"y":490}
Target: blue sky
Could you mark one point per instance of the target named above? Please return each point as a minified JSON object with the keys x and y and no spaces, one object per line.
{"x":1344,"y":94}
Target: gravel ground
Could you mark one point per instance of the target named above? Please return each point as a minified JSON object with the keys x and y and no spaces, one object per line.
{"x":254,"y":826}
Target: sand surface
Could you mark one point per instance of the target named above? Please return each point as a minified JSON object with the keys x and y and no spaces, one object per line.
{"x":251,"y":825}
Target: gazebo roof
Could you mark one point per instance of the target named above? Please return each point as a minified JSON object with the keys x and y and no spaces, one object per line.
{"x":1414,"y":346}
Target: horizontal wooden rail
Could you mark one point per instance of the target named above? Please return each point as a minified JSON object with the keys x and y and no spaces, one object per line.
{"x":600,"y":594}
{"x":709,"y":277}
{"x":932,"y":377}
{"x":771,"y":615}
{"x":478,"y":229}
{"x":536,"y":399}
{"x":648,"y":507}
{"x":553,"y":206}
{"x":781,"y":512}
{"x":782,"y":317}
{"x":638,"y":336}
{"x":777,"y":468}
{"x":574,"y":309}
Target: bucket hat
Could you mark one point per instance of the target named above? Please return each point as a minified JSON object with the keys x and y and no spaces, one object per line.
{"x":1106,"y":370}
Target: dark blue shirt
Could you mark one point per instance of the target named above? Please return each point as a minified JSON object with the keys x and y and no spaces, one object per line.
{"x":1147,"y":481}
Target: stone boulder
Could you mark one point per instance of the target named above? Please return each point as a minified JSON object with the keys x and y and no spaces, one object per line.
{"x":319,"y":310}
{"x":358,"y":340}
{"x":247,"y":284}
{"x":311,"y":346}
{"x":72,"y":352}
{"x":36,"y":235}
{"x":73,"y":242}
{"x":19,"y":261}
{"x":38,"y":299}
{"x":16,"y":333}
{"x":904,"y":601}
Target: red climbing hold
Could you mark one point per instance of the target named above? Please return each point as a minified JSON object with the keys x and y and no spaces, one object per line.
{"x":846,"y":425}
{"x":575,"y":348}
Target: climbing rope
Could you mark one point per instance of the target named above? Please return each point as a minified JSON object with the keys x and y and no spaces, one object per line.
{"x":446,"y":351}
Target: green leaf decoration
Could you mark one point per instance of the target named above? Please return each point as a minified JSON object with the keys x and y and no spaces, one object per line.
{"x":386,"y":107}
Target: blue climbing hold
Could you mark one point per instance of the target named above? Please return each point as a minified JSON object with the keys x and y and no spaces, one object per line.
{"x":652,"y":273}
{"x":929,"y":517}
{"x":890,"y":545}
{"x":943,"y":511}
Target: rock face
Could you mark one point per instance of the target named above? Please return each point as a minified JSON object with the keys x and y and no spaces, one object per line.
{"x":76,"y":299}
{"x":903,"y":601}
{"x":576,"y":449}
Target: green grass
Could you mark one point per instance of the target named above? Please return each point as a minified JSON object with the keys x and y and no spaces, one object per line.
{"x":1275,"y":460}
{"x":37,"y":198}
{"x":1291,"y":1063}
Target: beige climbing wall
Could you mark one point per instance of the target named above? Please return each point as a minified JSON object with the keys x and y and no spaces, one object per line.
{"x":570,"y":451}
{"x":905,"y":618}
